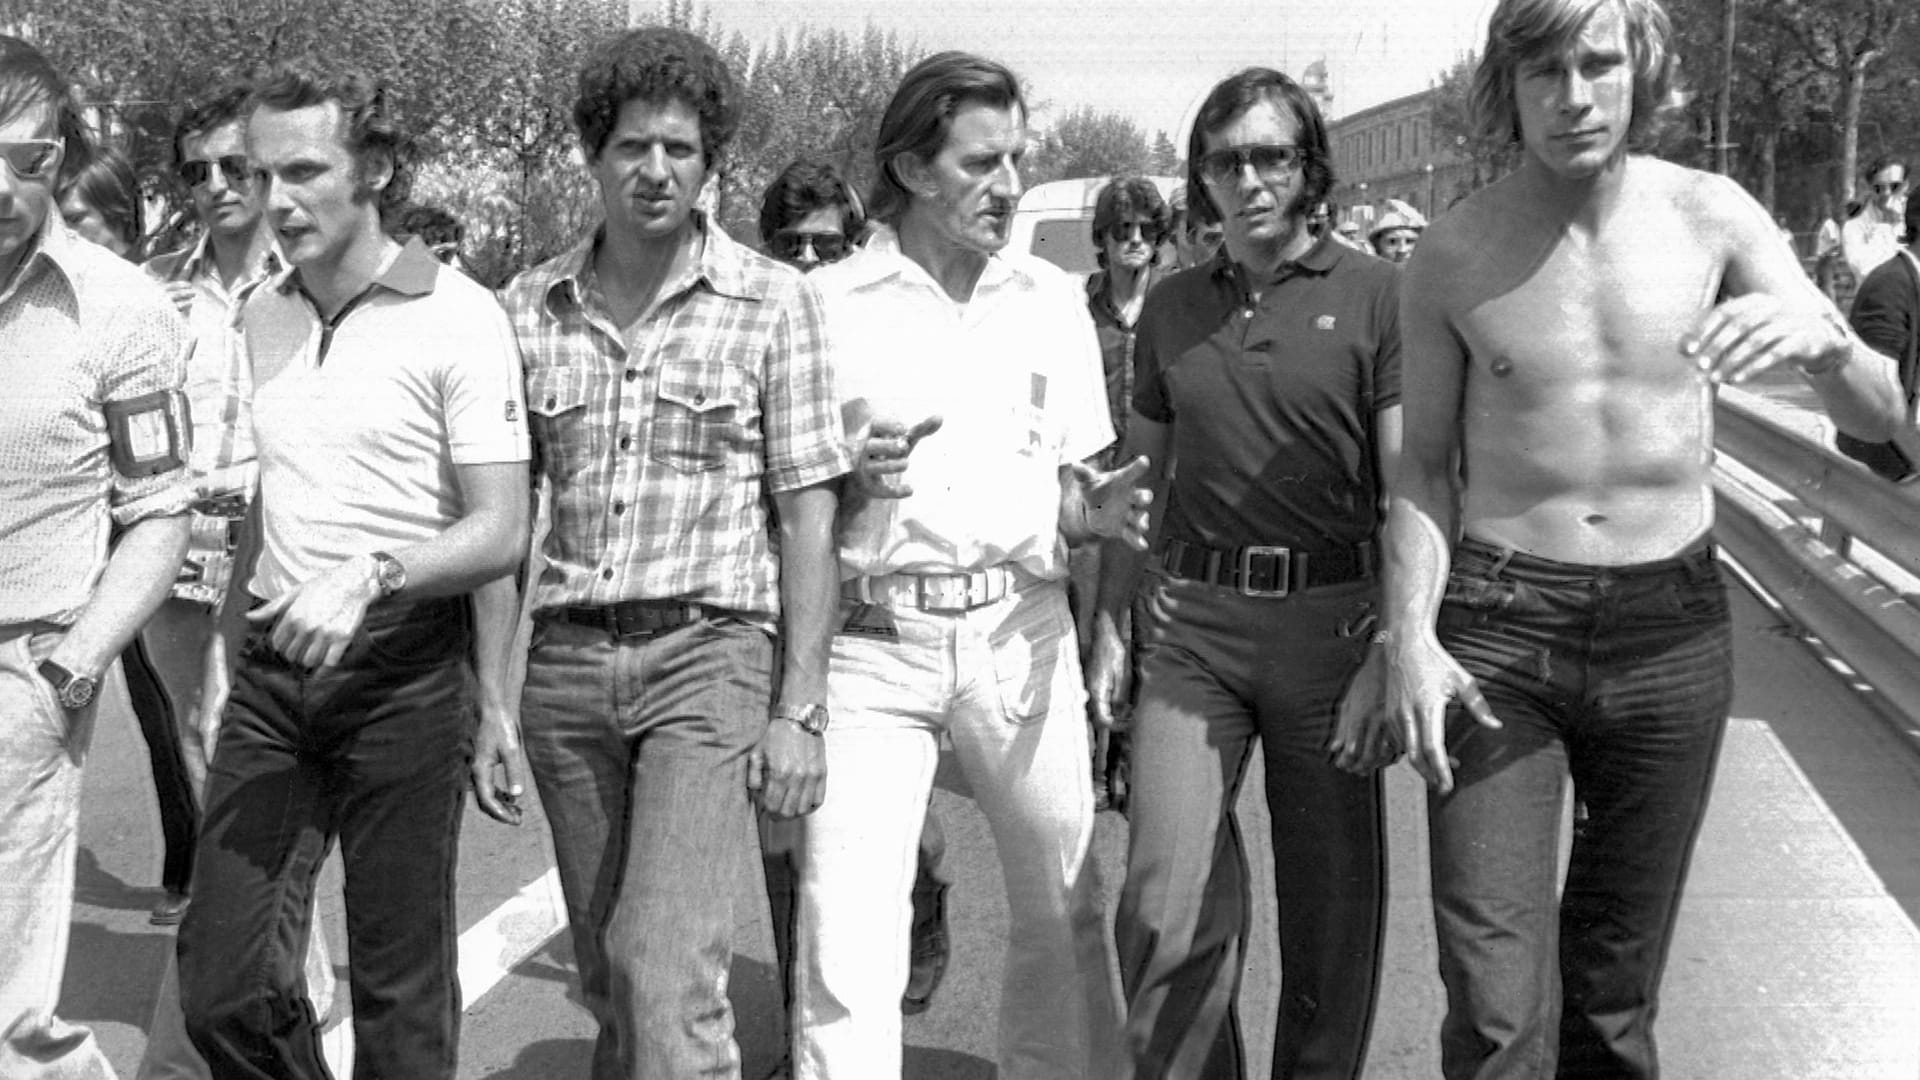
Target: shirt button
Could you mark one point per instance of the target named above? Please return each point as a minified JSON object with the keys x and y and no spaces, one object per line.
{"x":551,"y":402}
{"x":632,"y":374}
{"x":619,"y":506}
{"x":626,"y":442}
{"x":607,"y":574}
{"x":699,"y":398}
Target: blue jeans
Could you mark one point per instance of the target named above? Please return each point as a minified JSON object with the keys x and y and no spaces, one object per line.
{"x":372,"y":751}
{"x":1620,"y":679}
{"x":639,"y":747}
{"x":1221,"y":671}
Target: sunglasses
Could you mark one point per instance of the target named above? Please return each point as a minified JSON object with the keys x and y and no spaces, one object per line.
{"x":827,"y":246}
{"x":1269,"y":161}
{"x":31,"y":159}
{"x":1888,"y":189}
{"x":235,"y":169}
{"x":1121,"y":232}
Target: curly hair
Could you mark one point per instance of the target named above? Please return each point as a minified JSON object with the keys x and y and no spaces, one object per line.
{"x":28,"y":79}
{"x":1130,"y":196}
{"x":1521,"y":30}
{"x":109,"y":185}
{"x":370,"y":128}
{"x":920,"y":116}
{"x":803,"y":187}
{"x":1228,"y":101}
{"x":656,"y":64}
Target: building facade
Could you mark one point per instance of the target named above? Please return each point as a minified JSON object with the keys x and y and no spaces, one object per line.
{"x":1390,"y":151}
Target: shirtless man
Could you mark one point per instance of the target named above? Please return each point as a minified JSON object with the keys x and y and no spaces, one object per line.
{"x":1552,"y":511}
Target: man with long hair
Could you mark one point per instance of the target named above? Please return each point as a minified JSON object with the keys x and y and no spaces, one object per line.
{"x":1554,"y":609}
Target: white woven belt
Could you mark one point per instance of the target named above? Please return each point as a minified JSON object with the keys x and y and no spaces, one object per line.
{"x":947,"y":593}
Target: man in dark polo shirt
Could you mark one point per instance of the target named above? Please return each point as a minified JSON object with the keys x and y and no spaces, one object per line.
{"x":1273,"y":377}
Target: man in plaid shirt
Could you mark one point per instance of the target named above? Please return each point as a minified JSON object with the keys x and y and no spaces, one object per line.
{"x":682,"y":411}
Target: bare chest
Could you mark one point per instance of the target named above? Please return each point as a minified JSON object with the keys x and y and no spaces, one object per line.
{"x":1597,"y":312}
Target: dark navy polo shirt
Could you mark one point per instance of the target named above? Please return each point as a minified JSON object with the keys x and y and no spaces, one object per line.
{"x":1272,"y":404}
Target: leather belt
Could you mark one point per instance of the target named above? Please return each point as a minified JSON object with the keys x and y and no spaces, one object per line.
{"x":628,"y":618}
{"x":1262,"y":570}
{"x":939,"y":593}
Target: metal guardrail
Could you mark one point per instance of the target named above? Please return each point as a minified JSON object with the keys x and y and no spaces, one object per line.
{"x":1767,"y":476}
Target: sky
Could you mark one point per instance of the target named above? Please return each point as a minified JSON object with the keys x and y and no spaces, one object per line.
{"x":1153,"y":60}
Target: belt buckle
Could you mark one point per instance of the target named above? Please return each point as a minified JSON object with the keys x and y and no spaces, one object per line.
{"x":942,"y":594}
{"x":1283,"y":558}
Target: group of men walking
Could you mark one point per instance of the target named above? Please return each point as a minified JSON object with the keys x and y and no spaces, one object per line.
{"x":802,"y":531}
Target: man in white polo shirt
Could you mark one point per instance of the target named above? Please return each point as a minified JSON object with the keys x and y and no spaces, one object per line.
{"x":954,"y":615}
{"x":388,"y":421}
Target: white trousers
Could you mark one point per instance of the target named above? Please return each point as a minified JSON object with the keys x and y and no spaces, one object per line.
{"x":1003,"y":683}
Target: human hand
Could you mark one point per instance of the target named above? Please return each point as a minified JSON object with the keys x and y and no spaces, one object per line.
{"x":1114,"y":504}
{"x":181,"y":294}
{"x":1420,"y":680}
{"x":1108,"y":674}
{"x":787,"y":771}
{"x":883,"y":457}
{"x":315,"y":621}
{"x":1363,"y":735}
{"x":1746,"y":335}
{"x":499,"y":767}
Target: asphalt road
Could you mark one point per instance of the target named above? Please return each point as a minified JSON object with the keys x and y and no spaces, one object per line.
{"x":1796,"y":956}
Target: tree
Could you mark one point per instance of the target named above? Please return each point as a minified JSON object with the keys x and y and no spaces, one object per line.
{"x":1846,"y":39}
{"x":1164,"y":160}
{"x":1492,"y":156}
{"x":1086,"y":143}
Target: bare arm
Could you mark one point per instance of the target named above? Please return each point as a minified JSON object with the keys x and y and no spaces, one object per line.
{"x":319,"y":617}
{"x":789,"y":767}
{"x":139,"y":571}
{"x":1774,"y":315}
{"x":1362,"y":740}
{"x":1422,"y":520}
{"x":1120,"y":568}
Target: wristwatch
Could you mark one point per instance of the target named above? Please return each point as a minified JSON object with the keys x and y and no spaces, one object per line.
{"x":74,"y":691}
{"x":389,"y":573}
{"x":811,"y":719}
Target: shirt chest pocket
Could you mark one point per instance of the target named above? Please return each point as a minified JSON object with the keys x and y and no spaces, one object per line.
{"x":557,"y":404}
{"x":697,"y":415}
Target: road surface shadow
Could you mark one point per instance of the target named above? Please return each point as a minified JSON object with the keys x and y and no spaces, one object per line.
{"x":94,"y":886}
{"x":112,"y":977}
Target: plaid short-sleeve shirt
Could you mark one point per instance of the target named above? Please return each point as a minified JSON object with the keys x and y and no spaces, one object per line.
{"x":661,"y":445}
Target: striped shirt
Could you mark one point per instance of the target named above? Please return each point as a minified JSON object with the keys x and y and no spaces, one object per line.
{"x":660,"y":445}
{"x":219,"y":383}
{"x":80,"y":329}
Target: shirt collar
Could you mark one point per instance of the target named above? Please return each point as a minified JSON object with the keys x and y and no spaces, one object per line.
{"x":1322,"y":257}
{"x":722,"y":267}
{"x":412,"y":271}
{"x":198,"y":259}
{"x":880,"y":259}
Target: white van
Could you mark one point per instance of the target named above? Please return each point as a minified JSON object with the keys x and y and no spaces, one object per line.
{"x":1055,"y":221}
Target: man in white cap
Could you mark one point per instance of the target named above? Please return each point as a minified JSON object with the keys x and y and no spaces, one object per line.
{"x":1394,"y":235}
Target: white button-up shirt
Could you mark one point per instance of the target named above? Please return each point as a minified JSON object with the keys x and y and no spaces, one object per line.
{"x":1015,"y":375}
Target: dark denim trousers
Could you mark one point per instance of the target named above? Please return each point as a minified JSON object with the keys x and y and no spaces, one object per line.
{"x":372,"y":751}
{"x":639,"y":747}
{"x":1618,"y":678}
{"x":1221,"y":672}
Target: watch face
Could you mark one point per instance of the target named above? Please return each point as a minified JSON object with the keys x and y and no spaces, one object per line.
{"x":78,"y":693}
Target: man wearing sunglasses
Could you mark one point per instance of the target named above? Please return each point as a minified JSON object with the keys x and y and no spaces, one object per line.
{"x":1872,"y":236}
{"x":93,"y":435}
{"x":1272,"y":377}
{"x":177,"y":675}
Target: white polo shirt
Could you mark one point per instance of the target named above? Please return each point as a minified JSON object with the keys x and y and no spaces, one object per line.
{"x":1014,"y":373}
{"x":360,"y":422}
